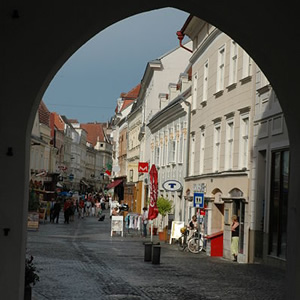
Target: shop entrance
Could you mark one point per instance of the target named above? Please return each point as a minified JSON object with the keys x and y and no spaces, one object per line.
{"x":238,"y":208}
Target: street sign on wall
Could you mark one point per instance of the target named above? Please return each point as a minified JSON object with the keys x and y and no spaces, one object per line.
{"x":199,"y":200}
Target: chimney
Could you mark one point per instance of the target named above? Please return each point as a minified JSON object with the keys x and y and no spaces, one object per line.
{"x":173,"y":92}
{"x":185,"y":83}
{"x":163,"y":100}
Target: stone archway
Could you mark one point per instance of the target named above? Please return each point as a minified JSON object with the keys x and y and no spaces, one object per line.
{"x":38,"y":37}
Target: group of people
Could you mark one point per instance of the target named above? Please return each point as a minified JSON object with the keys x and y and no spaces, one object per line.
{"x":91,"y":205}
{"x":55,"y":208}
{"x":85,"y":206}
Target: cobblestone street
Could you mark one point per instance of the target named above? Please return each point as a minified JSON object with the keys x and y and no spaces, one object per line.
{"x":81,"y":261}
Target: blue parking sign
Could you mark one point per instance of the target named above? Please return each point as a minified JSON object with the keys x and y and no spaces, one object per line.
{"x":199,"y":200}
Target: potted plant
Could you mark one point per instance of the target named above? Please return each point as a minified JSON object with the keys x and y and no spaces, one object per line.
{"x":31,"y":277}
{"x":164,"y":207}
{"x":33,"y":203}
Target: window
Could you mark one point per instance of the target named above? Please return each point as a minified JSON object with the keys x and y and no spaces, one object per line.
{"x":229,"y":145}
{"x":279,"y":203}
{"x":171,"y":147}
{"x":157,"y":154}
{"x":173,"y":151}
{"x":216,"y":151}
{"x":233,"y":63}
{"x":194,"y":91}
{"x":165,"y":149}
{"x":202,"y":149}
{"x":247,"y":66}
{"x":244,"y":142}
{"x":192,"y":160}
{"x":130,"y":175}
{"x":180,"y":146}
{"x":221,"y":69}
{"x":205,"y":82}
{"x":153,"y":152}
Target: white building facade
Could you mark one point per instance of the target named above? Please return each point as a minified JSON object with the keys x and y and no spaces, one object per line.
{"x":168,"y":147}
{"x":223,"y":93}
{"x":158,"y":75}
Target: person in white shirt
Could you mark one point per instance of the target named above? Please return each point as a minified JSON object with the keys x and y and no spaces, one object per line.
{"x":113,"y":205}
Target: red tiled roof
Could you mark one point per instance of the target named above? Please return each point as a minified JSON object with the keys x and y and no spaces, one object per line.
{"x":132,"y":94}
{"x":126,"y":103}
{"x":94,"y":131}
{"x":58,"y":121}
{"x":129,"y":97}
{"x":44,"y":114}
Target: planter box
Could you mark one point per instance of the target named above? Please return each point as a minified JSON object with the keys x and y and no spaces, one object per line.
{"x":27,"y":293}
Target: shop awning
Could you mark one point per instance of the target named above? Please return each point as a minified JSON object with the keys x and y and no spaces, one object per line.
{"x":114,"y":183}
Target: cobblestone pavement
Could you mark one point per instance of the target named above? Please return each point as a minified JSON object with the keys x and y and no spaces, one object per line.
{"x":81,"y":261}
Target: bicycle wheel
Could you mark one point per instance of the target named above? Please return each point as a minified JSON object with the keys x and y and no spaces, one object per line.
{"x":181,"y":243}
{"x":194,"y":246}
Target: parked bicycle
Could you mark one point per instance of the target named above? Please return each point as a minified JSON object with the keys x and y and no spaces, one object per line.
{"x":190,"y":242}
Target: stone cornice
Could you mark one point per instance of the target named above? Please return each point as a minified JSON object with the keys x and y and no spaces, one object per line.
{"x":205,"y":44}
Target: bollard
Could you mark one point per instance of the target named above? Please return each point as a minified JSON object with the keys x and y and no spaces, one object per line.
{"x":156,"y":254}
{"x":148,"y":252}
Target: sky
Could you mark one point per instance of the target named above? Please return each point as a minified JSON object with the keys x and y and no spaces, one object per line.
{"x":88,"y":85}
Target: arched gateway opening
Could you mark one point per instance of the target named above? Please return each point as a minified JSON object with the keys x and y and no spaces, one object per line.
{"x":39,"y":37}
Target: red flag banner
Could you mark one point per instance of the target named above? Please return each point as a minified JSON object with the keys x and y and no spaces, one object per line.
{"x":108,"y":172}
{"x":153,"y":210}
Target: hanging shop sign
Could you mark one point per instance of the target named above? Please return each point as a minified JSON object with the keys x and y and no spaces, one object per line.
{"x":143,"y":167}
{"x":172,"y":185}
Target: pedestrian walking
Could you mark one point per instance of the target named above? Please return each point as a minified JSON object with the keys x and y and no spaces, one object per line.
{"x":52,"y":210}
{"x":56,"y":210}
{"x":234,"y":237}
{"x":81,"y":208}
{"x":67,"y":211}
{"x":145,"y":221}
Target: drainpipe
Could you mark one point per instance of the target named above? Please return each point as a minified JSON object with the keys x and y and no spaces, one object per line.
{"x":188,"y":104}
{"x":180,"y":36}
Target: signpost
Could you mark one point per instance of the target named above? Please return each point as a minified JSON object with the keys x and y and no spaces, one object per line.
{"x":198,"y":200}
